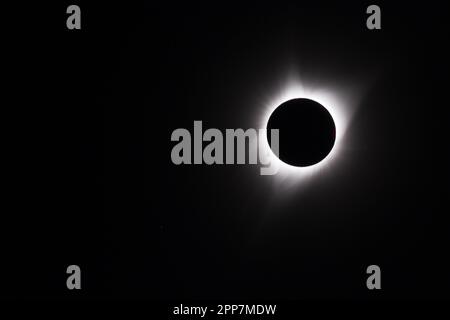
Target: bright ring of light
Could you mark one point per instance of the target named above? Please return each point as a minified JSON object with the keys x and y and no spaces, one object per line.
{"x":331,"y":102}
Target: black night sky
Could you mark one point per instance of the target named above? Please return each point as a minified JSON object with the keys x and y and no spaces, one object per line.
{"x":105,"y":195}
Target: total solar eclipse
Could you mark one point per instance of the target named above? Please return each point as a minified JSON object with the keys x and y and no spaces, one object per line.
{"x":306,"y":131}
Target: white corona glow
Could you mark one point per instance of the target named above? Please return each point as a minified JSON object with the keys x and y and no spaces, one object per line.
{"x":336,"y":105}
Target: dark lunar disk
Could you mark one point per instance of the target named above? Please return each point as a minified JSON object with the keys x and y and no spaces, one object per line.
{"x":306,"y":130}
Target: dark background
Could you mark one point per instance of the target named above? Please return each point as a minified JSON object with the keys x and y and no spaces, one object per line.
{"x":96,"y":186}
